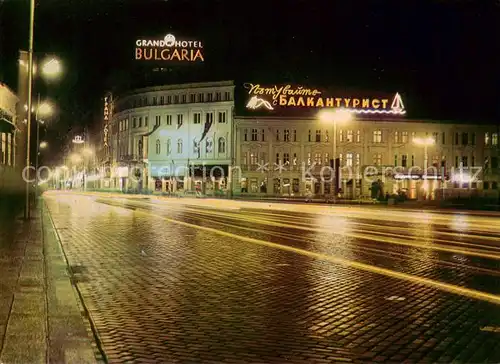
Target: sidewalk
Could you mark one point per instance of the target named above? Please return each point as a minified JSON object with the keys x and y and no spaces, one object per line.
{"x":40,"y":318}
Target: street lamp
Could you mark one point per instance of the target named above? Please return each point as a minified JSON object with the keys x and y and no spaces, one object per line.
{"x":52,"y":68}
{"x":335,"y":116}
{"x":425,"y":142}
{"x":43,"y":145}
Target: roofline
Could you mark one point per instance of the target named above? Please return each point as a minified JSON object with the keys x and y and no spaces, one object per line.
{"x":299,"y":118}
{"x":10,"y":90}
{"x":178,"y":86}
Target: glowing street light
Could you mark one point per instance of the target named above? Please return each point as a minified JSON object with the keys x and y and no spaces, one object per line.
{"x":78,"y":140}
{"x":44,"y":145}
{"x":52,"y":68}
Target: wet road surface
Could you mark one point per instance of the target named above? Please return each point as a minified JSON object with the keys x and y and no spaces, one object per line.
{"x":168,"y":280}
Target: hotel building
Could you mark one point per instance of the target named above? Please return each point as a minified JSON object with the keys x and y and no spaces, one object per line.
{"x":164,"y":138}
{"x":184,"y":138}
{"x":285,"y":156}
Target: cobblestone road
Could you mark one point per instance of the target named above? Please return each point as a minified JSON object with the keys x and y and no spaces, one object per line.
{"x":169,"y":282}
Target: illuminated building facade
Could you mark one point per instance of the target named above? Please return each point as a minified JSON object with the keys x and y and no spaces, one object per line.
{"x":169,"y":138}
{"x":8,"y":102}
{"x":285,"y":156}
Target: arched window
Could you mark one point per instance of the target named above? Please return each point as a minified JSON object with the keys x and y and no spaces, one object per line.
{"x":158,"y":146}
{"x":169,"y":146}
{"x":222,"y":145}
{"x":139,"y":148}
{"x":179,"y":146}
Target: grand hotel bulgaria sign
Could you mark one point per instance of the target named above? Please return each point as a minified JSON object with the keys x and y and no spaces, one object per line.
{"x":169,"y":49}
{"x":288,"y":96}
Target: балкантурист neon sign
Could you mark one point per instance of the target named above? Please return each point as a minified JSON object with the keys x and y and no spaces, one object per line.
{"x":289,"y":96}
{"x":169,"y":49}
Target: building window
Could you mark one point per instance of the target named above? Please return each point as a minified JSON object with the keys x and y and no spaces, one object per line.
{"x":341,"y":135}
{"x":169,"y":119}
{"x":134,"y":122}
{"x":404,"y":160}
{"x":263,"y":135}
{"x":222,"y":117}
{"x":349,"y":137}
{"x":146,"y":119}
{"x":209,"y":117}
{"x":162,"y":100}
{"x":196,"y":146}
{"x":179,"y":146}
{"x":464,"y":161}
{"x":158,"y":120}
{"x":456,"y":139}
{"x":456,"y":161}
{"x":396,"y":138}
{"x":294,"y":159}
{"x":327,"y":159}
{"x":443,"y":138}
{"x":395,"y":160}
{"x":377,"y":159}
{"x":435,"y":137}
{"x":377,"y":136}
{"x":254,"y":135}
{"x":218,"y":96}
{"x":192,"y":98}
{"x":245,"y":135}
{"x":286,"y":135}
{"x":222,"y":145}
{"x":184,"y":99}
{"x":154,"y":100}
{"x":286,"y":159}
{"x":465,"y":138}
{"x":413,"y":160}
{"x":277,"y":135}
{"x":473,"y":161}
{"x":201,"y":98}
{"x":158,"y":146}
{"x":318,"y":136}
{"x":169,"y":146}
{"x":180,"y":119}
{"x":169,"y":99}
{"x":294,"y":135}
{"x":486,"y":138}
{"x":473,"y":139}
{"x":317,"y":158}
{"x":140,"y":122}
{"x":327,"y":136}
{"x":209,"y":145}
{"x":197,"y":118}
{"x":227,"y":96}
{"x":494,"y":162}
{"x":358,"y":136}
{"x":494,"y":139}
{"x":209,"y":97}
{"x":348,"y":160}
{"x":277,"y":158}
{"x":309,"y":135}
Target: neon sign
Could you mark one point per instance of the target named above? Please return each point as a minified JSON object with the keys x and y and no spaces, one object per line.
{"x":169,"y":49}
{"x":106,"y":119}
{"x":299,"y":96}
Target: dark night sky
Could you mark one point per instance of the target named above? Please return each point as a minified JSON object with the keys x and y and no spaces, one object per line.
{"x":444,"y":56}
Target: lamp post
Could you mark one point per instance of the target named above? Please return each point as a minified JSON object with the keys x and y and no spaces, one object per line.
{"x":50,"y":69}
{"x":425,"y":142}
{"x":335,"y":116}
